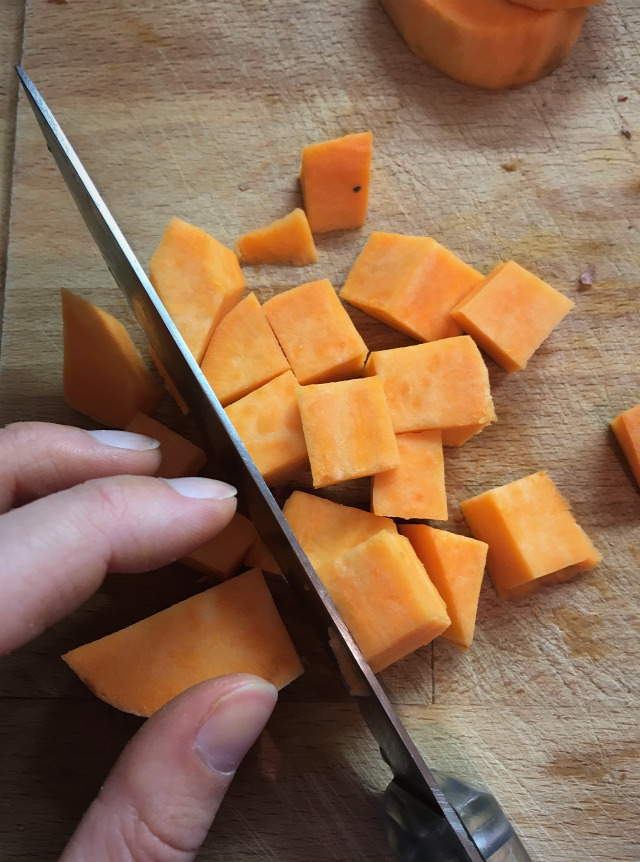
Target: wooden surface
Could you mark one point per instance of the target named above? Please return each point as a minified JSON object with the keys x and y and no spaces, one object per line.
{"x":200,"y":110}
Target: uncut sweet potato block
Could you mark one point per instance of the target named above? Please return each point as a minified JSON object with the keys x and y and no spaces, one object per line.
{"x":231,"y":628}
{"x":411,"y":283}
{"x":285,"y":240}
{"x":487,"y":43}
{"x":415,"y":488}
{"x":316,"y":333}
{"x":532,"y":535}
{"x":335,"y":177}
{"x":268,"y":423}
{"x":626,"y":427}
{"x":347,"y":428}
{"x":441,"y":384}
{"x":180,"y":457}
{"x":243,"y":353}
{"x":456,"y":566}
{"x":198,"y":280}
{"x":384,"y":596}
{"x":510,"y":314}
{"x":326,"y":529}
{"x":104,"y":376}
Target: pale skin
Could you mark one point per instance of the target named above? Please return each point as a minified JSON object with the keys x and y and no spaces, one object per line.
{"x":73,"y":507}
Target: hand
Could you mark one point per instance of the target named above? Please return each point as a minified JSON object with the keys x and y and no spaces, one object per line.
{"x":75,"y":505}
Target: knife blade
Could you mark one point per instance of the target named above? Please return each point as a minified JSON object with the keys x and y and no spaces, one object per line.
{"x":444,"y":837}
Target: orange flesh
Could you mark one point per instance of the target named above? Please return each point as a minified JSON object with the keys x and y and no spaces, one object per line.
{"x":348,"y":430}
{"x":180,"y":457}
{"x":442,"y":384}
{"x":104,"y":375}
{"x":286,"y":240}
{"x":335,"y":177}
{"x":316,"y":333}
{"x":455,"y":564}
{"x":626,"y":427}
{"x":493,"y":44}
{"x":415,"y":488}
{"x":530,"y":531}
{"x":170,"y":386}
{"x":268,"y":423}
{"x":382,"y":592}
{"x":511,"y":313}
{"x":410,"y":283}
{"x":243,"y":353}
{"x":223,"y":555}
{"x":231,"y":628}
{"x":198,"y":280}
{"x":326,"y":529}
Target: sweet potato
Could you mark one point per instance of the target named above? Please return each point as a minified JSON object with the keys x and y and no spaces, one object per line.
{"x":223,"y":556}
{"x":335,"y":177}
{"x":415,"y":488}
{"x":180,"y":457}
{"x":243,"y":353}
{"x":230,"y":628}
{"x":286,"y":240}
{"x":316,"y":333}
{"x":626,"y":427}
{"x":104,"y":375}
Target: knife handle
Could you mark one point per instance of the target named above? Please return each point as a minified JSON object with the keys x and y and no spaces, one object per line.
{"x":410,"y":824}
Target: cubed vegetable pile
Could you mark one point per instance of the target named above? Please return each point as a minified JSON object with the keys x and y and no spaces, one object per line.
{"x":305,"y":393}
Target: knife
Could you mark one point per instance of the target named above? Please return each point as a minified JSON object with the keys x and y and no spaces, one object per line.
{"x":422,"y":823}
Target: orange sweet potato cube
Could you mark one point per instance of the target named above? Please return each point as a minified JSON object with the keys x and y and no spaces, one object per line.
{"x":326,"y":529}
{"x":223,"y":556}
{"x":456,"y":565}
{"x":180,"y":457}
{"x":335,"y":177}
{"x":510,"y":314}
{"x":268,"y":423}
{"x":441,"y":384}
{"x":415,"y":488}
{"x":198,"y":280}
{"x":104,"y":376}
{"x":316,"y":333}
{"x":531,"y":533}
{"x":383,"y":594}
{"x":626,"y":427}
{"x":285,"y":240}
{"x":348,"y":430}
{"x":411,"y":283}
{"x":231,"y":628}
{"x":243,"y":353}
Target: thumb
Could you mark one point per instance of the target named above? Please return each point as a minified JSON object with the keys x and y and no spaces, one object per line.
{"x":165,"y":789}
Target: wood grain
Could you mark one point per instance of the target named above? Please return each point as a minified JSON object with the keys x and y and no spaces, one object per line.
{"x":200,"y":110}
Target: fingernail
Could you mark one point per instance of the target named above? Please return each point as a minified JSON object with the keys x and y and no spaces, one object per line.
{"x":202,"y":488}
{"x":233,"y":725}
{"x":124,"y":440}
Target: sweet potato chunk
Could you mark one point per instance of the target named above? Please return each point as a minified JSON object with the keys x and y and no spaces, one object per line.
{"x":348,"y":430}
{"x":104,"y":376}
{"x":243,"y":353}
{"x":198,"y":280}
{"x":442,"y":384}
{"x":169,"y":385}
{"x":286,"y":240}
{"x":415,"y":488}
{"x":230,"y":628}
{"x":531,"y":533}
{"x":510,"y":314}
{"x":180,"y":457}
{"x":411,"y":283}
{"x":222,"y":556}
{"x":268,"y":423}
{"x":326,"y":529}
{"x":335,"y":177}
{"x":316,"y":333}
{"x":626,"y":427}
{"x":455,"y":564}
{"x":385,"y":597}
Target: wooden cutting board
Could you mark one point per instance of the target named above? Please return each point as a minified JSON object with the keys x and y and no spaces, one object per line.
{"x":200,"y":109}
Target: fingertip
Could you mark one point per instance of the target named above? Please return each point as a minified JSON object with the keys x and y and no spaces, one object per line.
{"x":124,"y":439}
{"x":202,"y":488}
